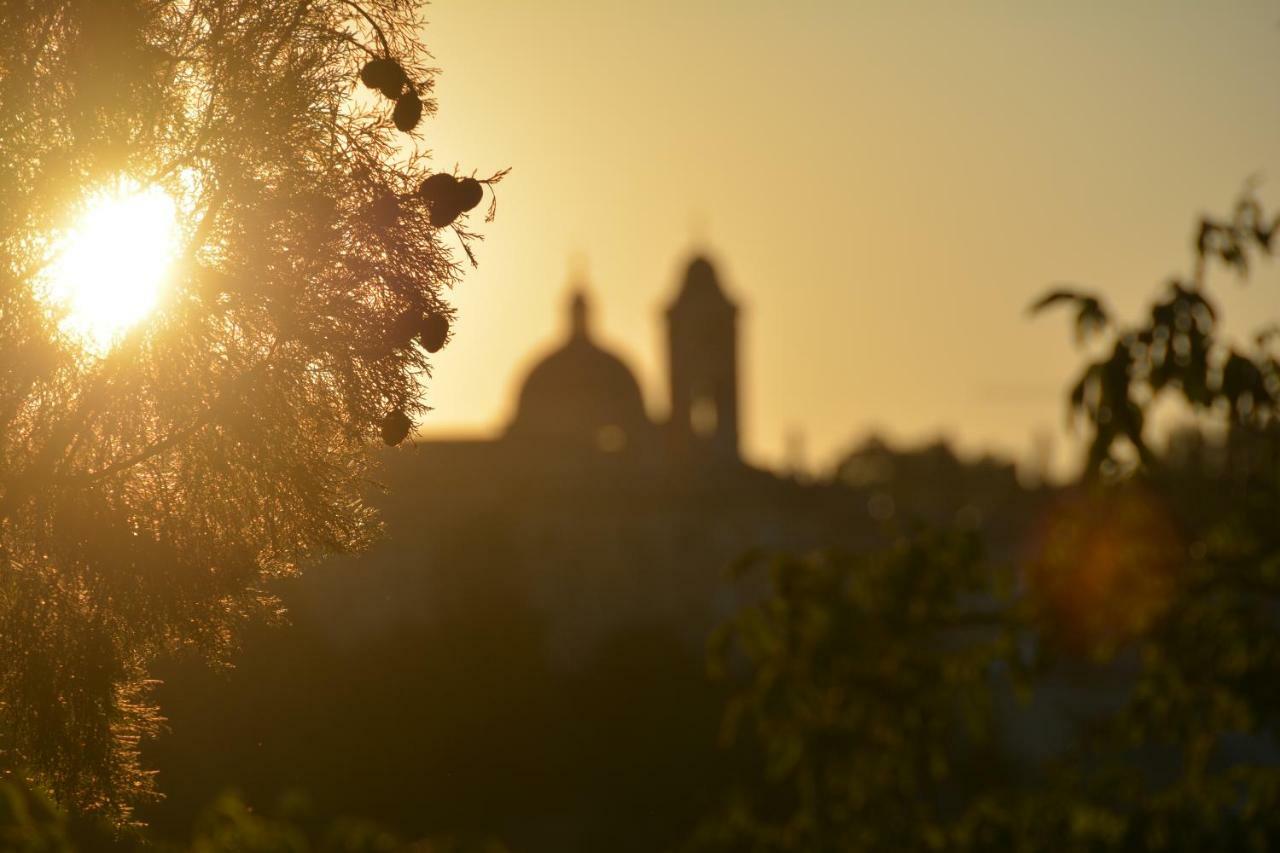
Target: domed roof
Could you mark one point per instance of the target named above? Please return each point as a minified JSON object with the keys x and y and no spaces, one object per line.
{"x":581,"y":392}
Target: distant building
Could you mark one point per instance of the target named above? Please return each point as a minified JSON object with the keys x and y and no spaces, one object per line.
{"x":603,"y":519}
{"x":932,"y":484}
{"x":582,"y":396}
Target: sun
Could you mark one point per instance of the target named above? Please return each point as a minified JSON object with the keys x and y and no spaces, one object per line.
{"x":110,"y":268}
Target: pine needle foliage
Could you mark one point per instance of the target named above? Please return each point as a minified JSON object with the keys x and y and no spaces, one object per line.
{"x":150,"y":493}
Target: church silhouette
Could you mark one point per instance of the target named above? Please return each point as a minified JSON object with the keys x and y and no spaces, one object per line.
{"x":587,"y":510}
{"x":582,"y":396}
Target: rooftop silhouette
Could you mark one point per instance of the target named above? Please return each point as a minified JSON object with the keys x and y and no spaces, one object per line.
{"x":582,"y":395}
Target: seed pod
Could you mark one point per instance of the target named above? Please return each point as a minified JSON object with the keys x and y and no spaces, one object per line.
{"x":395,"y":427}
{"x":440,"y":192}
{"x":408,"y":112}
{"x":435,"y":330}
{"x":372,"y":73}
{"x":469,"y":193}
{"x":443,"y":212}
{"x":385,"y":75}
{"x":438,"y":187}
{"x":393,"y":86}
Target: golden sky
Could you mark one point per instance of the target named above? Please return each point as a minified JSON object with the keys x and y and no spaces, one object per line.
{"x":885,"y":187}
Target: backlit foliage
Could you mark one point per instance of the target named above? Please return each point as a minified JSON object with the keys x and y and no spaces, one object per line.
{"x":1198,"y":543}
{"x":31,"y":823}
{"x":863,"y":697}
{"x":148,"y":493}
{"x":1178,"y":349}
{"x":871,"y":690}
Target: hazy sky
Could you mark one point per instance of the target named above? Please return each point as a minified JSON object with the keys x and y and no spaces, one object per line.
{"x":885,"y":187}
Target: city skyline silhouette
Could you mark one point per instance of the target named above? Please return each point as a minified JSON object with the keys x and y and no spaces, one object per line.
{"x":874,"y":178}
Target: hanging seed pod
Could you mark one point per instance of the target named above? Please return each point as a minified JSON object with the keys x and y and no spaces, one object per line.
{"x":438,"y":187}
{"x":435,"y":331}
{"x":395,"y":427}
{"x":385,"y":75}
{"x":393,"y":86}
{"x":386,"y":210}
{"x":408,"y":112}
{"x":372,"y":73}
{"x":443,"y":212}
{"x":469,"y":193}
{"x":440,"y":192}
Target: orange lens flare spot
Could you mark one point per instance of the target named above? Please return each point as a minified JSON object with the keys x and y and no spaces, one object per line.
{"x":1102,"y":567}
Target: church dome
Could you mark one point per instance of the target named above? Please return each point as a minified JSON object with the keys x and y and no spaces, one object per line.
{"x":581,"y":393}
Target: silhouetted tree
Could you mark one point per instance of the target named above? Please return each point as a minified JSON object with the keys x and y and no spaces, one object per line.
{"x":1177,"y":350}
{"x":1178,"y":567}
{"x":149,"y":492}
{"x":863,"y":697}
{"x":868,"y":685}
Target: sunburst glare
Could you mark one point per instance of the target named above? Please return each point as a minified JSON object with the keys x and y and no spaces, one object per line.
{"x":110,"y":268}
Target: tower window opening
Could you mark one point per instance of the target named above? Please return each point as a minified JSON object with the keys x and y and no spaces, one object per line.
{"x":704,"y":417}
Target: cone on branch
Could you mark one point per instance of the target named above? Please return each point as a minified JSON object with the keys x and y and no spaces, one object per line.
{"x":408,"y":112}
{"x":395,"y":427}
{"x":448,"y":197}
{"x":469,"y":194}
{"x":385,"y":75}
{"x":434,"y":332}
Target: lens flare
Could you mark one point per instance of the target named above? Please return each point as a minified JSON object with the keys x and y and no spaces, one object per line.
{"x":110,"y":268}
{"x":1102,"y":566}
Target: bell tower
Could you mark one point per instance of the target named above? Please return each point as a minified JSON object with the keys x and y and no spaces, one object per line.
{"x":702,"y":349}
